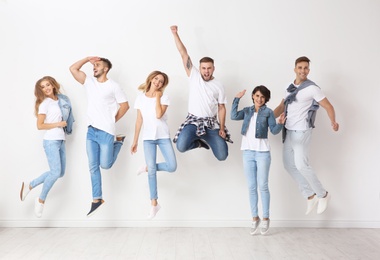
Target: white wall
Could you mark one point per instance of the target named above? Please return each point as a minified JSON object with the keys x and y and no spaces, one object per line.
{"x":252,"y":42}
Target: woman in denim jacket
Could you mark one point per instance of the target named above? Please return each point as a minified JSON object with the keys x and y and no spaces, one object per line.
{"x":256,"y":150}
{"x":50,"y":106}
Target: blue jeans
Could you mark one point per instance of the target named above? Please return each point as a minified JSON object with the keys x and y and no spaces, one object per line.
{"x":296,"y":162}
{"x":170,"y":164}
{"x":102,"y":151}
{"x":256,"y":170}
{"x":188,"y":140}
{"x":55,"y":151}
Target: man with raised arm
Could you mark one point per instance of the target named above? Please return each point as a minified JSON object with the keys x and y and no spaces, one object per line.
{"x":207,"y":100}
{"x":107,"y":104}
{"x":302,"y":99}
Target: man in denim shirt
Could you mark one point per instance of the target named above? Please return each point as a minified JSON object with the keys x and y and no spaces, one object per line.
{"x":297,"y":106}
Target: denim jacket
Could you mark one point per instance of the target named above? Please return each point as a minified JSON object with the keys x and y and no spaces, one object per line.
{"x":265,"y":119}
{"x":67,"y":113}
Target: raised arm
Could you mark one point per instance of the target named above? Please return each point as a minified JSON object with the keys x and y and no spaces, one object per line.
{"x":235,"y":114}
{"x":79,"y":75}
{"x":325,"y":103}
{"x":182,"y":50}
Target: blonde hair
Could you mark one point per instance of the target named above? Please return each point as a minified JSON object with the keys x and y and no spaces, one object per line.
{"x":40,"y":96}
{"x":145,"y":87}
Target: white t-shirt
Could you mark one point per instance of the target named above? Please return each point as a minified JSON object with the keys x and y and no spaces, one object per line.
{"x":296,"y":118}
{"x":204,"y":96}
{"x":250,"y":142}
{"x":153,"y":128}
{"x":50,"y":108}
{"x":103,"y":103}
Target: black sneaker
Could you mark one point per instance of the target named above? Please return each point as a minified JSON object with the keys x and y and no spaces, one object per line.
{"x":94,"y":207}
{"x":203,"y":144}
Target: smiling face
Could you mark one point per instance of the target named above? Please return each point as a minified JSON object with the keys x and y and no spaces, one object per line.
{"x":47,"y":88}
{"x":258,"y":99}
{"x":260,"y":96}
{"x":302,"y":70}
{"x":157,"y":82}
{"x":206,"y":69}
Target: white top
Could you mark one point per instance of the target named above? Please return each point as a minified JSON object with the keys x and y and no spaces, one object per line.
{"x":103,"y":103}
{"x":204,"y":96}
{"x":296,"y":118}
{"x":250,"y":142}
{"x":153,"y":128}
{"x":50,"y":108}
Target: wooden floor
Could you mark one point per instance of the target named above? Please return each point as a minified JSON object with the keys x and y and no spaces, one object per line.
{"x":188,"y":243}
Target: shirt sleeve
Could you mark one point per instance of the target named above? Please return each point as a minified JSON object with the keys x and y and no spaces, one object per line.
{"x":137,"y":104}
{"x":42,"y":109}
{"x":194,"y":73}
{"x":165,"y":100}
{"x":87,"y":80}
{"x":120,"y":95}
{"x":222,"y":99}
{"x":317,"y":93}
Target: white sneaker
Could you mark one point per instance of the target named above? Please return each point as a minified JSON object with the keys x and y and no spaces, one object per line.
{"x":255,"y":226}
{"x":142,"y":169}
{"x":153,"y":211}
{"x":264,"y":226}
{"x":24,"y":191}
{"x":311,"y":204}
{"x":38,"y":207}
{"x":322,"y":203}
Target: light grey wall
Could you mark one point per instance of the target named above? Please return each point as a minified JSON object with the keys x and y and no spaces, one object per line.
{"x":252,"y":42}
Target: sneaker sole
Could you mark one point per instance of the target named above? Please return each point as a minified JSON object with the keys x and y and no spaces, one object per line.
{"x":257,"y":229}
{"x":92,"y":213}
{"x":150,"y":217}
{"x":39,"y":214}
{"x":328,"y":200}
{"x":312,"y":208}
{"x":22,"y":189}
{"x":253,"y":233}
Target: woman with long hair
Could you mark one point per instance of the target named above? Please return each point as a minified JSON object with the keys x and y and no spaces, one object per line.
{"x":54,"y":114}
{"x":151,"y":108}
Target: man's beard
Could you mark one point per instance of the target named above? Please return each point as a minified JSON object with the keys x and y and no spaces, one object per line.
{"x":99,"y":74}
{"x":208,"y":78}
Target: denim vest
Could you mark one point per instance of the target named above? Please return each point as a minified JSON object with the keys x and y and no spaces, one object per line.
{"x":265,"y":119}
{"x":67,"y":113}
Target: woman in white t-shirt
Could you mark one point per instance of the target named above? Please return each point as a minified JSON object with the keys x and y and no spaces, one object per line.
{"x":49,"y":118}
{"x":151,"y":108}
{"x":256,"y":150}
